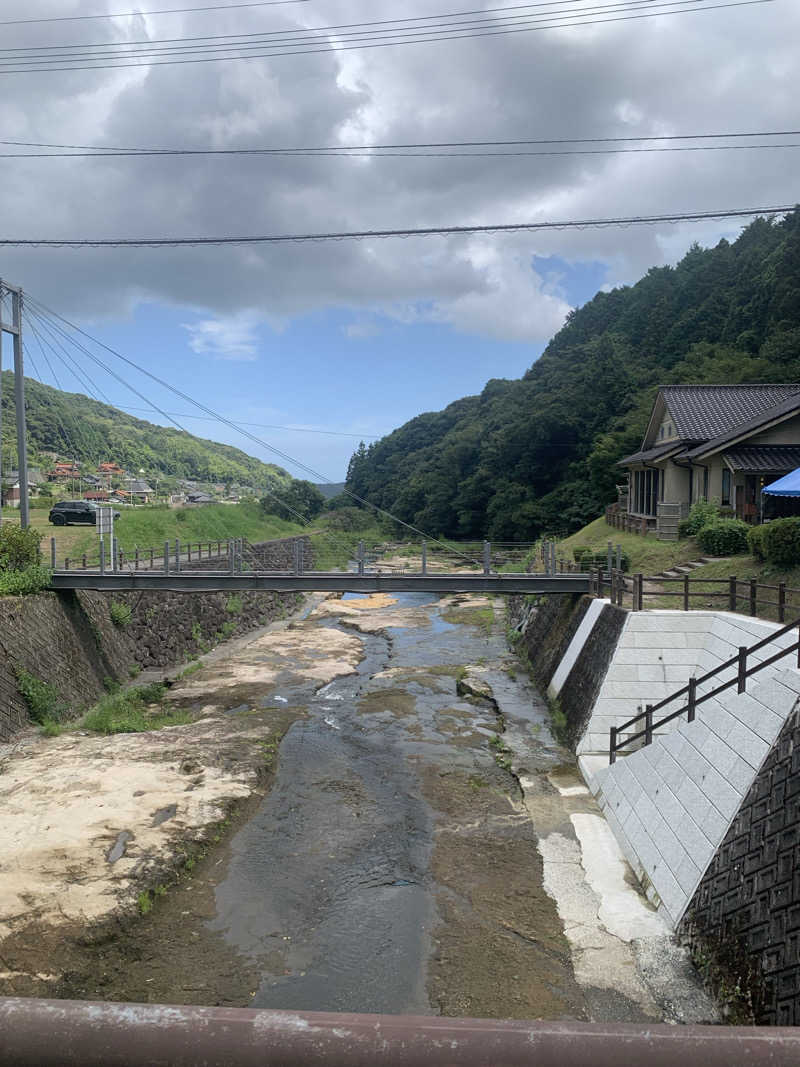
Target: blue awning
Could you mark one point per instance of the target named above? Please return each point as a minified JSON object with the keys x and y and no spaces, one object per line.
{"x":788,"y":485}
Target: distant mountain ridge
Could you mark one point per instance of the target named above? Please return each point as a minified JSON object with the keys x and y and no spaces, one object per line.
{"x":77,"y":427}
{"x":538,"y":454}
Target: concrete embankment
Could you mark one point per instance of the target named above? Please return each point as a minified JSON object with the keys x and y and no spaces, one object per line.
{"x":704,"y":813}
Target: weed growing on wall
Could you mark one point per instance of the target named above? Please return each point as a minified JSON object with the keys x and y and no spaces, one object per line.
{"x":120,"y":613}
{"x":133,"y":710}
{"x":42,"y":701}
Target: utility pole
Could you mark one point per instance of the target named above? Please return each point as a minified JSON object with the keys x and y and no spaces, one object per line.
{"x":15,"y":329}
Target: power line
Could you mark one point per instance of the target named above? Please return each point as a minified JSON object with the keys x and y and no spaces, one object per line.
{"x":102,"y":149}
{"x":358,"y":235}
{"x":342,"y":154}
{"x":390,"y":43}
{"x":43,"y":309}
{"x":268,"y":425}
{"x":162,"y":11}
{"x":263,"y":35}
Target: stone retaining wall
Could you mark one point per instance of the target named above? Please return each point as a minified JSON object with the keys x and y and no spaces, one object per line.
{"x":744,"y":920}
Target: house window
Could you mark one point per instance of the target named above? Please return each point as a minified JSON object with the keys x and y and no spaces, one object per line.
{"x":645,"y":492}
{"x":726,"y":487}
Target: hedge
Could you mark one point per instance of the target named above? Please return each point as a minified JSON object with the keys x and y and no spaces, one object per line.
{"x":779,"y":542}
{"x":727,"y":537}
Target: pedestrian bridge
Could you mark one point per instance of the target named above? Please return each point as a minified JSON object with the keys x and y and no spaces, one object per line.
{"x":320,"y":582}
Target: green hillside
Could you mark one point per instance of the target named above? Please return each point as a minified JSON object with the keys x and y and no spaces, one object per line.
{"x":77,"y":427}
{"x":538,"y":454}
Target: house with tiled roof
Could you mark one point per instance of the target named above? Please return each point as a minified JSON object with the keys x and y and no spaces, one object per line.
{"x":711,"y":442}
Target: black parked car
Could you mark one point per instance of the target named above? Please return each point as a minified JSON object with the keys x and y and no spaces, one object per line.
{"x":69,"y":511}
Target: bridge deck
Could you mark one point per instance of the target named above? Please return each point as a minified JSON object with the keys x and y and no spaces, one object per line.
{"x":322,"y":582}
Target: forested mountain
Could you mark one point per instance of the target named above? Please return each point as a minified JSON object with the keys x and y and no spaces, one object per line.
{"x":538,"y":454}
{"x":77,"y":427}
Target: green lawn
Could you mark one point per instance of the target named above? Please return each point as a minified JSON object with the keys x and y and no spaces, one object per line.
{"x":147,"y":527}
{"x":647,"y":554}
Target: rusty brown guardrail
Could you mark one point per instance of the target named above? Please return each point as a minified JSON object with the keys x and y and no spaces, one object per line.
{"x":46,"y":1033}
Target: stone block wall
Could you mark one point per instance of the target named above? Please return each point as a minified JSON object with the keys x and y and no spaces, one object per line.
{"x":744,"y":917}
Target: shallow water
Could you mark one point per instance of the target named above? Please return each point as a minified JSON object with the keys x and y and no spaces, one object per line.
{"x":328,"y":884}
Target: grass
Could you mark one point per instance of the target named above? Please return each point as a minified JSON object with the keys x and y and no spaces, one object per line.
{"x":130,"y":711}
{"x":333,"y":549}
{"x":647,"y":554}
{"x":480,"y":617}
{"x":151,"y":526}
{"x":743,"y":568}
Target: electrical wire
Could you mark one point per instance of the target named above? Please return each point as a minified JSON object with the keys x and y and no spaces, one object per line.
{"x":358,"y":235}
{"x":437,"y":21}
{"x":104,"y":149}
{"x":42,"y":312}
{"x":162,"y":11}
{"x":271,"y":426}
{"x":392,"y":43}
{"x":43,"y":309}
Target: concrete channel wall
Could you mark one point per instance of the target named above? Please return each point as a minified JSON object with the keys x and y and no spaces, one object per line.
{"x":70,"y":642}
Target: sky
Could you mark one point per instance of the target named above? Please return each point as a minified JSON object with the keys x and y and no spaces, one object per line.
{"x":350,"y":339}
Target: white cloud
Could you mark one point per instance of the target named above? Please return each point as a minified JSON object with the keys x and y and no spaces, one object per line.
{"x":233,"y":337}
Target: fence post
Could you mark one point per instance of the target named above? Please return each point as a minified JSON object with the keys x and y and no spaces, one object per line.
{"x":692,"y":698}
{"x":360,"y":557}
{"x":189,"y":552}
{"x":152,"y":557}
{"x":83,"y":561}
{"x":136,"y":558}
{"x":177,"y":556}
{"x":612,"y":746}
{"x":753,"y":596}
{"x":487,"y":557}
{"x":741,"y":681}
{"x":639,"y":592}
{"x":686,"y":592}
{"x":619,"y":557}
{"x":648,"y":724}
{"x":781,"y":601}
{"x":231,"y":559}
{"x":610,"y":560}
{"x":298,"y":556}
{"x":600,"y":583}
{"x":424,"y":557}
{"x":114,"y":553}
{"x":52,"y":553}
{"x":102,"y":557}
{"x":732,"y":593}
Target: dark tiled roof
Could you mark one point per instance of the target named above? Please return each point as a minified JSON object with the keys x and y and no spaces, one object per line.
{"x":764,"y":458}
{"x":785,"y":409}
{"x":701,"y":412}
{"x":650,"y":454}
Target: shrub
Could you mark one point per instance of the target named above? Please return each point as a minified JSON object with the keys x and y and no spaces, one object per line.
{"x":702,"y":513}
{"x":233,"y":605}
{"x":41,"y":699}
{"x":727,"y":537}
{"x":19,"y":549}
{"x":120,"y":612}
{"x":126,"y":712}
{"x":31,"y":579}
{"x":781,"y":541}
{"x":756,"y":541}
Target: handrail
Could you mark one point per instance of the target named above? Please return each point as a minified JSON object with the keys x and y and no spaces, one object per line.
{"x":743,"y":672}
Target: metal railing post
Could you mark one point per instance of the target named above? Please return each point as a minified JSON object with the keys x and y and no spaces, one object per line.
{"x":136,"y":558}
{"x":487,"y":557}
{"x":686,"y":592}
{"x":177,"y":556}
{"x":166,"y":557}
{"x":741,"y":680}
{"x":114,"y":554}
{"x":753,"y":597}
{"x":52,"y":553}
{"x":692,"y":698}
{"x":83,"y":561}
{"x":619,"y":557}
{"x":360,"y":557}
{"x":189,"y":552}
{"x":648,"y":724}
{"x":610,"y":559}
{"x":231,"y":558}
{"x":102,"y":557}
{"x":424,"y":557}
{"x":612,"y":747}
{"x":152,"y":557}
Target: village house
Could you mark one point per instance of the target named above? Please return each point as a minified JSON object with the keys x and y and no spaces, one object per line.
{"x":710,"y":442}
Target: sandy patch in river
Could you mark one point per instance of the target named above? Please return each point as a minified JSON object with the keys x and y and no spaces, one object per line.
{"x":371,"y":614}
